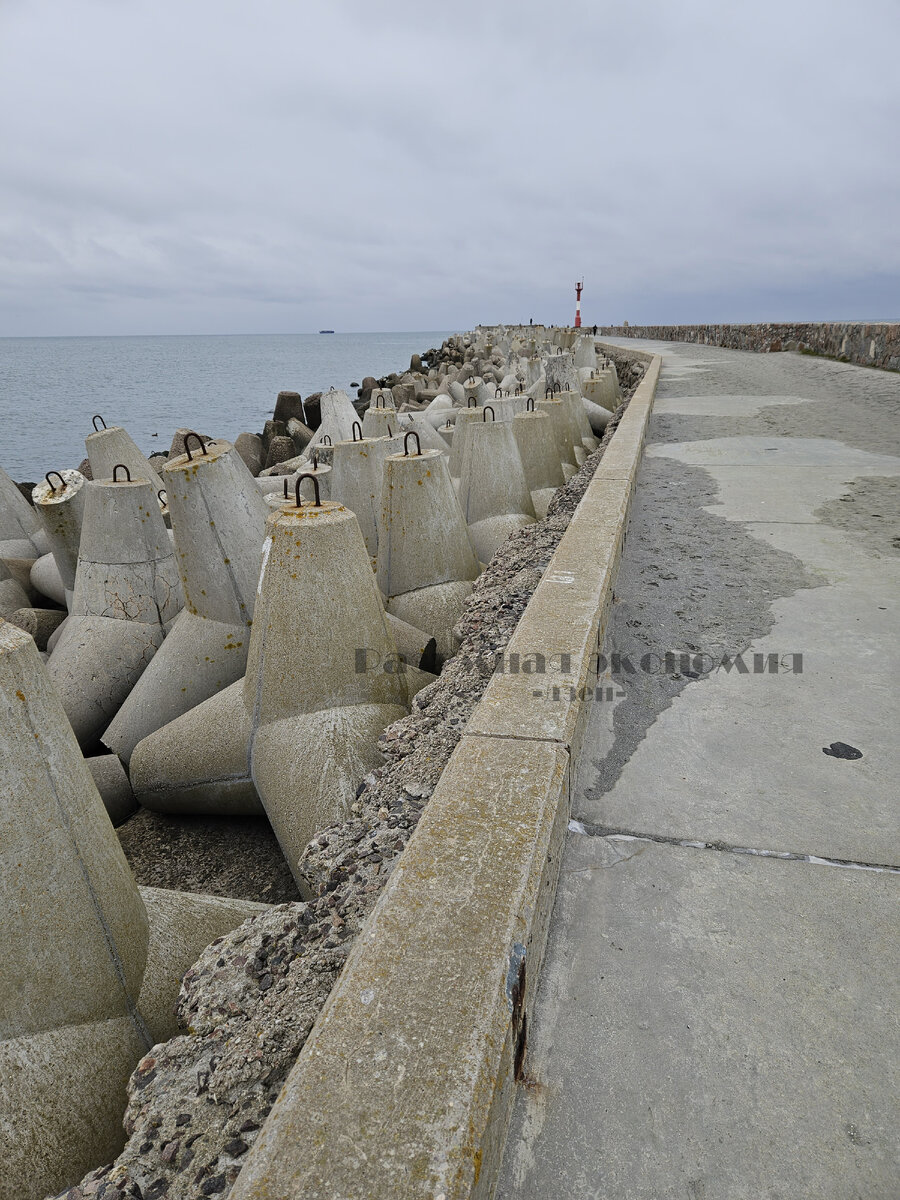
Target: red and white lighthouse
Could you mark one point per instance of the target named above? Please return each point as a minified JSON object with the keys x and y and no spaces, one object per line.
{"x":578,"y":287}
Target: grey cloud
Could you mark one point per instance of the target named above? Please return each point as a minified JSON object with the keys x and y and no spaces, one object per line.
{"x":217,"y":167}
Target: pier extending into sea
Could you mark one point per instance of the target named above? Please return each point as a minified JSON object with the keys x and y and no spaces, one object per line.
{"x":558,"y":671}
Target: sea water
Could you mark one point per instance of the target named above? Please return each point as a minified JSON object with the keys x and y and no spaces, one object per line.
{"x":219,"y":385}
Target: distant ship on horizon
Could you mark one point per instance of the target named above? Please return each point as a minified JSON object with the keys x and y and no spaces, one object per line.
{"x":326,"y":331}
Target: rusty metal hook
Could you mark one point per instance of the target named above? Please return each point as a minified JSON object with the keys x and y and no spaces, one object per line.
{"x":488,"y":409}
{"x":557,"y":389}
{"x":325,"y":439}
{"x":529,"y":407}
{"x":353,"y":428}
{"x":412,"y":433}
{"x":62,"y":482}
{"x":191,"y":434}
{"x":315,"y":482}
{"x":383,"y":403}
{"x":285,"y":487}
{"x":115,"y":477}
{"x":548,"y":391}
{"x":94,"y":419}
{"x":159,"y":495}
{"x":498,"y":392}
{"x":315,"y":460}
{"x":519,"y":389}
{"x":471,"y":402}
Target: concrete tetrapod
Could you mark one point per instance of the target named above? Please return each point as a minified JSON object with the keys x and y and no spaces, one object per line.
{"x":492,"y":490}
{"x":127,"y":594}
{"x":59,"y":503}
{"x":41,"y":623}
{"x":584,"y":353}
{"x":562,"y":432}
{"x":21,"y":533}
{"x":12,"y":595}
{"x":357,"y":470}
{"x":463,"y":416}
{"x":476,"y":390}
{"x":598,"y":416}
{"x":381,"y":398}
{"x":199,"y":763}
{"x":416,"y":647}
{"x":506,"y":407}
{"x":75,"y":940}
{"x":315,"y":474}
{"x":218,"y":519}
{"x":578,"y":417}
{"x":337,"y":417}
{"x":435,"y":413}
{"x":114,"y":786}
{"x":277,"y":499}
{"x":182,"y":925}
{"x":560,"y":371}
{"x":601,"y":387}
{"x":533,"y":431}
{"x":534,"y":371}
{"x":106,"y":448}
{"x":573,"y":430}
{"x":429,"y":437}
{"x":426,"y":563}
{"x":46,"y":579}
{"x":457,"y":393}
{"x":380,"y":422}
{"x":319,"y":702}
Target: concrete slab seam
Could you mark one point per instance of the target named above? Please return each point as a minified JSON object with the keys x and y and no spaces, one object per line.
{"x":590,"y":829}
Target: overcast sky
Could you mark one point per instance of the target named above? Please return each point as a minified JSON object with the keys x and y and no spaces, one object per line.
{"x":276,"y":166}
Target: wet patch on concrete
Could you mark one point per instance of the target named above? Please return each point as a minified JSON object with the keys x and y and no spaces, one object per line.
{"x":812,"y":419}
{"x":834,"y":391}
{"x":690,"y":582}
{"x":870,"y":509}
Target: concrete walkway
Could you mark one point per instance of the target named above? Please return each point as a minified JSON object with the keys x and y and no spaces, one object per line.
{"x":717,"y":1017}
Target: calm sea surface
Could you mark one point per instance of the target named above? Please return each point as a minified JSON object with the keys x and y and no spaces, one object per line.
{"x":51,"y":387}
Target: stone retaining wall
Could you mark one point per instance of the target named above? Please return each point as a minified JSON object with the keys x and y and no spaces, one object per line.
{"x":865,"y":345}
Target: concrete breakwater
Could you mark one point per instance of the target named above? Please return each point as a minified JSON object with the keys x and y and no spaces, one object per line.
{"x":276,"y":712}
{"x":867,"y":345}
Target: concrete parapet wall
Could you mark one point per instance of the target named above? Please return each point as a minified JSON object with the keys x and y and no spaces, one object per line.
{"x":404,"y":1086}
{"x":875,"y":345}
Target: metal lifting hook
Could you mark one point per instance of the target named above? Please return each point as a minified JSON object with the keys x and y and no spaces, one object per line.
{"x":191,"y":434}
{"x":298,"y":503}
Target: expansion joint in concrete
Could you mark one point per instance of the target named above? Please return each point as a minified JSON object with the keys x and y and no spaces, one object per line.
{"x":520,"y":737}
{"x":590,"y":829}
